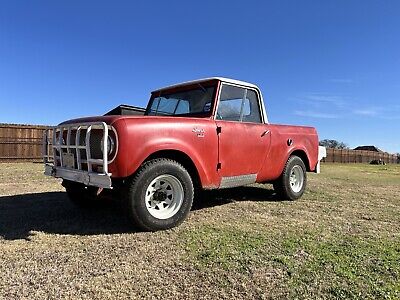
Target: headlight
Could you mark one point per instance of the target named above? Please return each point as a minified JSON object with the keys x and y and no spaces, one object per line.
{"x":110,"y":145}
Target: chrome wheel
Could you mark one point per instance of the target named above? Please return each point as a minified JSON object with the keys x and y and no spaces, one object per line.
{"x":164,"y":196}
{"x":296,"y":179}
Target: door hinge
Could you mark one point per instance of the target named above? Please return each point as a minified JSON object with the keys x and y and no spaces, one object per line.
{"x":218,"y":166}
{"x":219,"y":129}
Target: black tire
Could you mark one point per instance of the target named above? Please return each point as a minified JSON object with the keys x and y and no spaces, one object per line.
{"x":145,"y":182}
{"x":81,"y":195}
{"x":287,"y":189}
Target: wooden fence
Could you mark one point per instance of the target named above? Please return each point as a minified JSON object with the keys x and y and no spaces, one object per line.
{"x":21,"y":142}
{"x":358,"y":156}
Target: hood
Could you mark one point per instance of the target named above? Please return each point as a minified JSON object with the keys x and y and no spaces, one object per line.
{"x":107,"y":119}
{"x":113,"y":118}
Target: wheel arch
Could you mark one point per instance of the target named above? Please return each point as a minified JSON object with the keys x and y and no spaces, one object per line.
{"x":183,"y":159}
{"x":304,"y":157}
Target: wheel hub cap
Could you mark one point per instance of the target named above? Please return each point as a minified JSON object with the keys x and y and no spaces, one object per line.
{"x":164,"y":196}
{"x":296,"y":179}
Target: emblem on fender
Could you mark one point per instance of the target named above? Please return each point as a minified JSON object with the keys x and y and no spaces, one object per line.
{"x":198,"y":131}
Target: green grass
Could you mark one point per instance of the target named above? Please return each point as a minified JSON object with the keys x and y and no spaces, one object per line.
{"x":377,"y":175}
{"x":338,"y":267}
{"x":230,"y":249}
{"x":341,"y":240}
{"x":344,"y":268}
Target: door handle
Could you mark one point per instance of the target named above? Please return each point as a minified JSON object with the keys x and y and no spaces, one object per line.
{"x":265,"y":133}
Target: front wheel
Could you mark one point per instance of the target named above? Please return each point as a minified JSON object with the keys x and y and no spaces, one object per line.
{"x":159,"y":196}
{"x":292,"y":183}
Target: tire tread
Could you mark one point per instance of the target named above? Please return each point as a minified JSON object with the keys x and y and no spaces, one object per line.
{"x":280,"y":185}
{"x":131,"y":188}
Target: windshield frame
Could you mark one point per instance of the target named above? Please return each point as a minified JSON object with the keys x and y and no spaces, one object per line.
{"x":183,"y":88}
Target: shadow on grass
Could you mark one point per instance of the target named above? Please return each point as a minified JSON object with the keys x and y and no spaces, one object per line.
{"x":245,"y":193}
{"x":52,"y":212}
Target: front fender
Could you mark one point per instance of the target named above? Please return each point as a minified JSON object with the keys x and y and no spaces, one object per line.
{"x":139,"y":140}
{"x":201,"y":163}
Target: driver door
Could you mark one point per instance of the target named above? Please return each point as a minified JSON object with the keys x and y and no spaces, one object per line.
{"x":243,"y":138}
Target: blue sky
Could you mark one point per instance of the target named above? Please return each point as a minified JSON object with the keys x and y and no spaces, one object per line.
{"x":334,"y":65}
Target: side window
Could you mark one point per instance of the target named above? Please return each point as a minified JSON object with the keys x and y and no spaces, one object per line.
{"x":238,"y":104}
{"x":230,"y":103}
{"x":253,"y":114}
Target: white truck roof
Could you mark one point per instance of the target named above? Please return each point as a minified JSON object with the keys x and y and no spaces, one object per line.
{"x":223,"y":79}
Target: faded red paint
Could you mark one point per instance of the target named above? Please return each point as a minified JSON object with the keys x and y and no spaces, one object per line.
{"x":240,"y":148}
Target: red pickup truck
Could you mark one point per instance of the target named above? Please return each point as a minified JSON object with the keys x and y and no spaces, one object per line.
{"x":204,"y":134}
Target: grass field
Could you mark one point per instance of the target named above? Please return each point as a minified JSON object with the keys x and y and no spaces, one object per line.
{"x":340,"y":241}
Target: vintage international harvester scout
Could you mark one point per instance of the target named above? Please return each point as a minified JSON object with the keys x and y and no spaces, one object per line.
{"x":204,"y":134}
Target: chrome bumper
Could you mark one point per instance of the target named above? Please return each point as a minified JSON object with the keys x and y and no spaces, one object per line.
{"x":93,"y":179}
{"x":321,"y":155}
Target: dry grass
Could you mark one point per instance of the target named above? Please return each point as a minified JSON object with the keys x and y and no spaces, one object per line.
{"x":341,"y":240}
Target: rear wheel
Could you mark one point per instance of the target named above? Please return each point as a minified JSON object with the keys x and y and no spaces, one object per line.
{"x":159,"y":196}
{"x":292,"y":183}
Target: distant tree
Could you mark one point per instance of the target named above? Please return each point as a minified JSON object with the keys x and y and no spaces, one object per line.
{"x":398,"y":158}
{"x":333,"y":144}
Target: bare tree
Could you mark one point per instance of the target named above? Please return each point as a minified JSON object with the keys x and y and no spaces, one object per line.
{"x":333,"y":144}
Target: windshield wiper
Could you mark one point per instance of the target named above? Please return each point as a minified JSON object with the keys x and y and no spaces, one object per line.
{"x":158,"y":104}
{"x":176,"y":107}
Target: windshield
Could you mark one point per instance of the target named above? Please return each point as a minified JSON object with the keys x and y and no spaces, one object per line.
{"x":192,"y":101}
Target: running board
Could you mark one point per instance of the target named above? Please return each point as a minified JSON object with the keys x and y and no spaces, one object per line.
{"x":233,"y":181}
